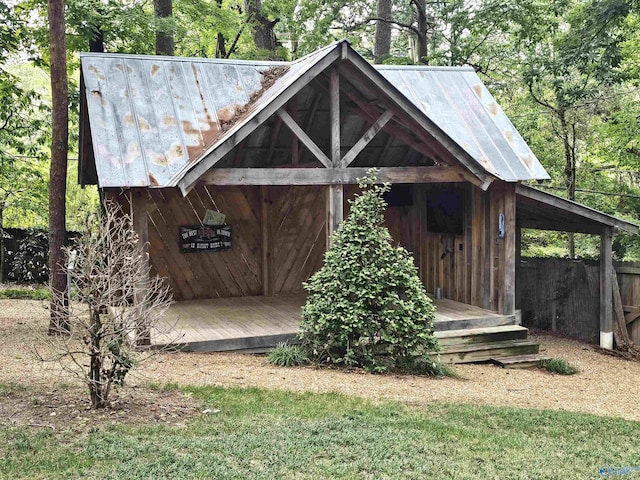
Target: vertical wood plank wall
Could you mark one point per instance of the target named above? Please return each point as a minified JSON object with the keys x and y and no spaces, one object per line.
{"x":295,"y":243}
{"x":475,"y":268}
{"x":298,"y":233}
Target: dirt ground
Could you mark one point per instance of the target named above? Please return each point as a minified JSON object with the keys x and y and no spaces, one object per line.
{"x":606,"y":385}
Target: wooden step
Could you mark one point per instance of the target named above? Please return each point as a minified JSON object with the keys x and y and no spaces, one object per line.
{"x":482,"y":352}
{"x":254,"y":344}
{"x":475,"y":322}
{"x":519,"y":361}
{"x":481,"y":335}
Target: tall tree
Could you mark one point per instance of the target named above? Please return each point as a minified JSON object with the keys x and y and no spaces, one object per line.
{"x":382,"y":45}
{"x":59,"y":322}
{"x":571,"y":68}
{"x":164,"y":35}
{"x":262,"y":30}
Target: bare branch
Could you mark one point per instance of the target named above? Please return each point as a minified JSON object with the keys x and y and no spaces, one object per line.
{"x":406,"y":26}
{"x":121,"y":301}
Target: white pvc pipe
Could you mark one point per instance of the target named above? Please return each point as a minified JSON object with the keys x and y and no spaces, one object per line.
{"x":606,"y":340}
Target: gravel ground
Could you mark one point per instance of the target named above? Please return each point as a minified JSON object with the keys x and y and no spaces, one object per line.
{"x":606,"y":385}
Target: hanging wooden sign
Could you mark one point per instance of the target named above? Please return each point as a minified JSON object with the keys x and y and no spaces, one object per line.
{"x":205,"y":238}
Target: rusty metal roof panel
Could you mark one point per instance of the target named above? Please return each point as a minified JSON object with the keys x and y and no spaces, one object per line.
{"x":154,"y":118}
{"x":151,"y":116}
{"x":457,"y":101}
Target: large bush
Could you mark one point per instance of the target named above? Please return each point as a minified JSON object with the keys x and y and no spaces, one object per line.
{"x":366,"y":306}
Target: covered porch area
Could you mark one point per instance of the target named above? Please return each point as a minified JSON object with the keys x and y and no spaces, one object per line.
{"x":258,"y":323}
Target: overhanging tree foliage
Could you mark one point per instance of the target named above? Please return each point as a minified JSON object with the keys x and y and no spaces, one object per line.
{"x":22,"y":131}
{"x":366,"y":306}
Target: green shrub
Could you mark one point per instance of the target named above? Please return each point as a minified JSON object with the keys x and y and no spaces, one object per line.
{"x":288,"y":356}
{"x":25,"y":293}
{"x":366,"y":306}
{"x":558,"y":365}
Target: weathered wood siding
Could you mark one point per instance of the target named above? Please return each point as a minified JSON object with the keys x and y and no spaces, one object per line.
{"x":236,"y":272}
{"x":476,"y":267}
{"x":297,"y":235}
{"x":562,"y":295}
{"x":293,"y":222}
{"x":629,"y":282}
{"x":279,"y":238}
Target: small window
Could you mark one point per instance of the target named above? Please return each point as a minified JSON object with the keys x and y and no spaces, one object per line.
{"x":445,"y":210}
{"x":399,"y":196}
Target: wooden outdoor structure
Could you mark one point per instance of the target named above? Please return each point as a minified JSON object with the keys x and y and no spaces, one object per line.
{"x":279,"y":150}
{"x":255,"y":324}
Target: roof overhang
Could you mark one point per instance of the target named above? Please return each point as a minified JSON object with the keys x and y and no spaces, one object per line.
{"x":544,"y":211}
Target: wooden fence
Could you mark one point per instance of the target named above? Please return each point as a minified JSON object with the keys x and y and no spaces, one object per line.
{"x":629,"y":281}
{"x":562,"y":295}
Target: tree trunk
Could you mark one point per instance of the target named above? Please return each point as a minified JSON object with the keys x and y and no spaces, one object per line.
{"x":221,"y":48}
{"x":59,"y":322}
{"x":423,"y":29}
{"x":1,"y":243}
{"x":262,"y":28}
{"x":569,"y":144}
{"x":96,"y":43}
{"x":221,"y":42}
{"x":164,"y":41}
{"x":95,"y":380}
{"x":382,"y":45}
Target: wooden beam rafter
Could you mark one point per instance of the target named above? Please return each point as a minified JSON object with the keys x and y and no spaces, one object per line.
{"x":295,"y":142}
{"x":366,"y":138}
{"x":304,"y":138}
{"x":191,"y":174}
{"x":330,"y":176}
{"x":334,"y":112}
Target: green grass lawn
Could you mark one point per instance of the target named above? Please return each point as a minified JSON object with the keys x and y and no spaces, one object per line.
{"x":271,"y":434}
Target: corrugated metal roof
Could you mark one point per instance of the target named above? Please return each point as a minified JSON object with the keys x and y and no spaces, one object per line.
{"x":458,"y":102}
{"x":154,"y":118}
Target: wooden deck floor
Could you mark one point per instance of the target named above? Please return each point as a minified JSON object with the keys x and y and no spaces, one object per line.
{"x":251,"y":323}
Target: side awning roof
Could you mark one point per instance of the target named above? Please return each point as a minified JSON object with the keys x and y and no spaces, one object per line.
{"x":545,"y":211}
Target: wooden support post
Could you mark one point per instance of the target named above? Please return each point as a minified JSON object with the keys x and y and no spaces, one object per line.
{"x":266,"y":244}
{"x":606,"y":307}
{"x":138,"y":201}
{"x":336,"y":192}
{"x":335,"y":202}
{"x":334,"y":93}
{"x":509,"y":250}
{"x":518,"y":258}
{"x":620,"y":332}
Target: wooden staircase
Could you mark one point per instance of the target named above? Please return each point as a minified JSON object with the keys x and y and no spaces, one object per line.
{"x":482,"y":339}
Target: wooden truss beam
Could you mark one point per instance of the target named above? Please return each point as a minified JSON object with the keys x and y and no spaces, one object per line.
{"x":330,"y":176}
{"x":366,"y":138}
{"x":304,"y":138}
